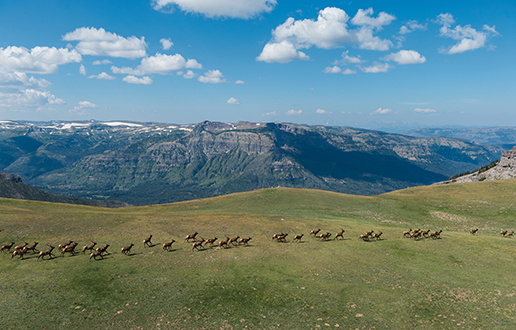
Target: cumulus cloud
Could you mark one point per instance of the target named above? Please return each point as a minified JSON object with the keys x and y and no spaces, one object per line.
{"x":87,"y":104}
{"x":425,"y":110}
{"x":140,"y":81}
{"x":102,"y":62}
{"x":189,"y":74}
{"x":468,"y":38}
{"x":332,"y":69}
{"x":376,"y":68}
{"x":159,"y":64}
{"x":330,"y":30}
{"x":166,"y":43}
{"x":346,"y":59}
{"x":294,"y":112}
{"x":363,"y":17}
{"x":412,"y":26}
{"x":103,"y":76}
{"x":336,"y":69}
{"x":381,"y":111}
{"x":233,"y":101}
{"x":38,"y":60}
{"x":99,"y":42}
{"x":82,"y":70}
{"x":281,"y":52}
{"x":28,"y":98}
{"x":212,"y":77}
{"x":405,"y":57}
{"x":244,"y":9}
{"x":81,"y":109}
{"x":20,"y":80}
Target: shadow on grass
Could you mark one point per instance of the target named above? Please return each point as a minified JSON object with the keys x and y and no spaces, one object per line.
{"x":151,"y":245}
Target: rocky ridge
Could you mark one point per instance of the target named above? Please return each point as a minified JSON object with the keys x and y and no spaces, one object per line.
{"x":504,"y":169}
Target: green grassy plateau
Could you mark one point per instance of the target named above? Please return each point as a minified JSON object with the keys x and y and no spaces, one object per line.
{"x":461,"y":281}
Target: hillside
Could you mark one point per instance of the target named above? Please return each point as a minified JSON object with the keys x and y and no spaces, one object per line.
{"x":457,"y":281}
{"x":11,"y":186}
{"x":142,"y":163}
{"x":503,"y":169}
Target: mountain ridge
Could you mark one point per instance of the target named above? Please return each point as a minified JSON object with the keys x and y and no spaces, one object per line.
{"x":149,"y":163}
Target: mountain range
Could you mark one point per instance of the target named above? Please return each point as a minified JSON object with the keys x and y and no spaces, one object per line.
{"x":152,"y":163}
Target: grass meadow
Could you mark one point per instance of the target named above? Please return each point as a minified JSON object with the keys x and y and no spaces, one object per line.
{"x":460,"y":281}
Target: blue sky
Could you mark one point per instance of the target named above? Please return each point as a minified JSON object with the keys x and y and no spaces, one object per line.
{"x":367,"y":64}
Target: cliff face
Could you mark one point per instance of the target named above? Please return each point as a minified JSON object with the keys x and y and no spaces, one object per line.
{"x":504,"y":169}
{"x":156,"y":163}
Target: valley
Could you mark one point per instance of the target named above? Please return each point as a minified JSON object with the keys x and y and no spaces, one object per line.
{"x":142,"y":163}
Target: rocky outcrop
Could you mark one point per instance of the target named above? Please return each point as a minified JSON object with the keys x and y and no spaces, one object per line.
{"x":8,"y":177}
{"x":501,"y":170}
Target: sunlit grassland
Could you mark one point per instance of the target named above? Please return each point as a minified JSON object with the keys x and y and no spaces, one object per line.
{"x":458,"y":281}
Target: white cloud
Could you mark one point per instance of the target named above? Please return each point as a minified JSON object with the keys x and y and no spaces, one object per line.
{"x":240,"y":82}
{"x":336,"y":69}
{"x":99,"y":42}
{"x":81,"y":109}
{"x":412,"y":26}
{"x":19,"y":80}
{"x":102,"y":62}
{"x":103,"y":76}
{"x":38,"y":60}
{"x":349,"y":59}
{"x":330,"y":30}
{"x":366,"y":40}
{"x":349,"y":71}
{"x":381,"y":111}
{"x":217,"y":8}
{"x":363,"y":17}
{"x":376,"y":68}
{"x":322,"y":112}
{"x":409,"y":27}
{"x":233,"y":101}
{"x":333,"y":69}
{"x":166,"y":43}
{"x":468,"y":38}
{"x":445,"y":19}
{"x":425,"y":110}
{"x":212,"y":77}
{"x":159,"y":64}
{"x":294,"y":112}
{"x":28,"y":98}
{"x":140,"y":81}
{"x":405,"y":57}
{"x":189,"y":74}
{"x":86,"y":104}
{"x":281,"y":52}
{"x":82,"y":70}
